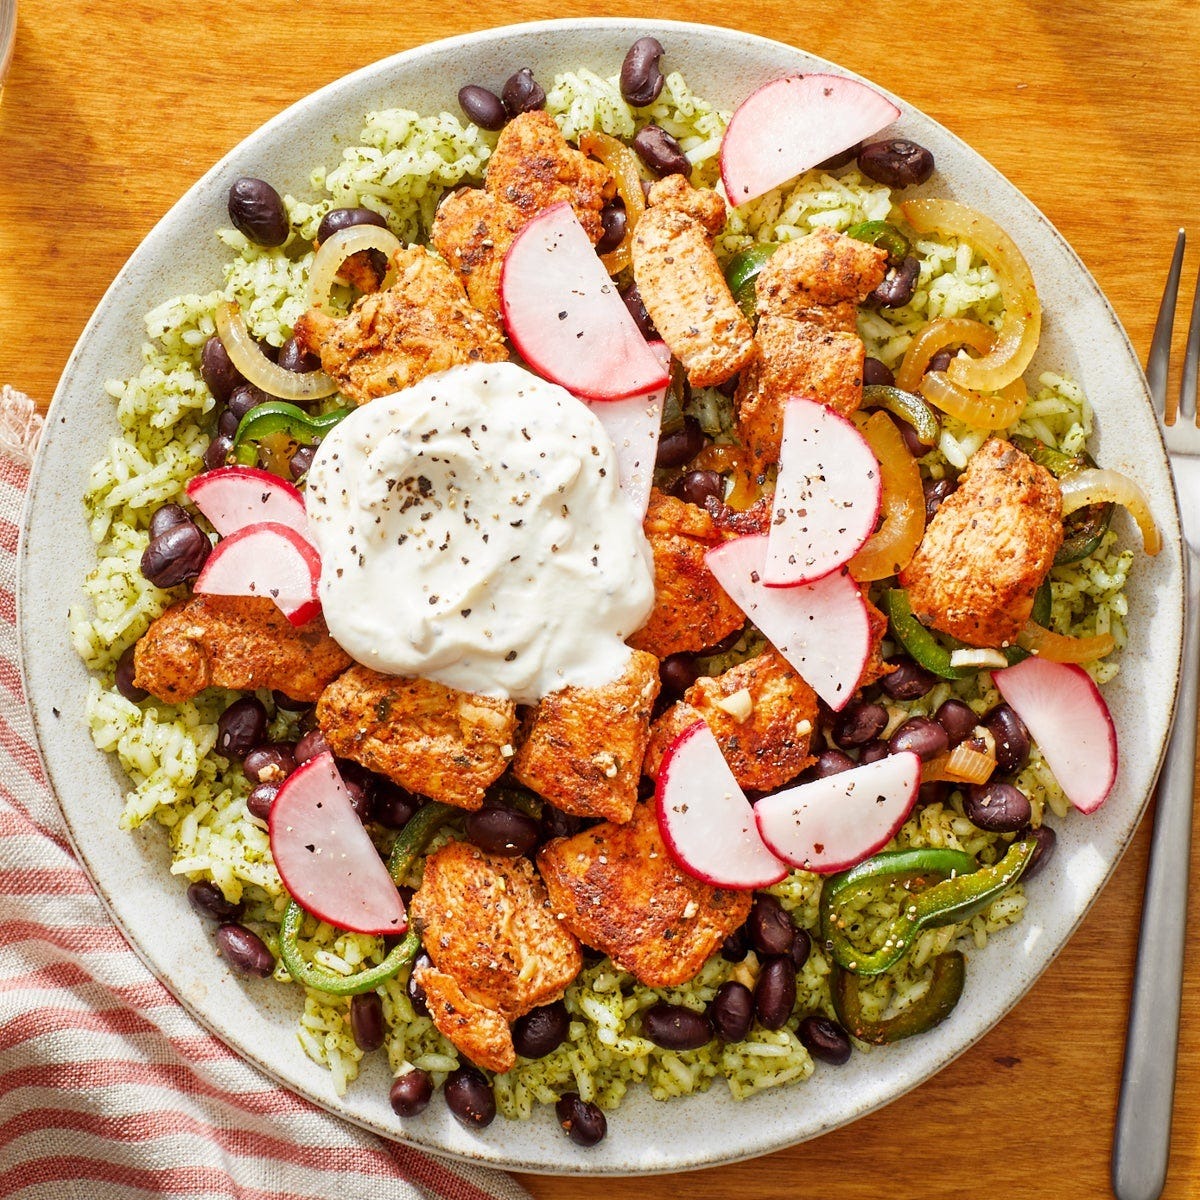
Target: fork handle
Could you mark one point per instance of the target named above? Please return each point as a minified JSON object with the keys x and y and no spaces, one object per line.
{"x":1142,"y":1142}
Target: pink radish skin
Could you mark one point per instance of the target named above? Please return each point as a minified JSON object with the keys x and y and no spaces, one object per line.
{"x":1067,"y":717}
{"x":269,"y":560}
{"x":234,"y":497}
{"x":827,"y":495}
{"x":705,"y":818}
{"x":792,"y":124}
{"x":325,"y":857}
{"x":832,"y":823}
{"x":821,"y":628}
{"x":565,"y":317}
{"x":633,"y":426}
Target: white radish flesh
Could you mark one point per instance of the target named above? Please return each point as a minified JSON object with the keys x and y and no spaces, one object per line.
{"x":234,"y":497}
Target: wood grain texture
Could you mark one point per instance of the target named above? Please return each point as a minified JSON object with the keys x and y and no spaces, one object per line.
{"x":112,"y":109}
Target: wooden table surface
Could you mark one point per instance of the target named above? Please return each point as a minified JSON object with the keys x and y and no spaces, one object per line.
{"x":114,"y":107}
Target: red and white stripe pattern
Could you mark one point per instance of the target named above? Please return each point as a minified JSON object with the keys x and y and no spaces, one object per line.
{"x":108,"y":1089}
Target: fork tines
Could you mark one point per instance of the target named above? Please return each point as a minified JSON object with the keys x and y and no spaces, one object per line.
{"x":1158,"y":362}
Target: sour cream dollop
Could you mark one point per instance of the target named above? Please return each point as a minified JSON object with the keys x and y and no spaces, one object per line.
{"x":472,"y":531}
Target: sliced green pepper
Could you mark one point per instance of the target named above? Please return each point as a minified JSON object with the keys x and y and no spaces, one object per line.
{"x":414,"y":837}
{"x":278,"y":416}
{"x":908,"y":407}
{"x":742,"y":273}
{"x":945,"y":988}
{"x":956,"y":898}
{"x":882,"y":233}
{"x":314,"y":976}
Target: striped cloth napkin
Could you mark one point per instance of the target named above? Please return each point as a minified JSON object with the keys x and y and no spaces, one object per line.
{"x":109,"y":1090}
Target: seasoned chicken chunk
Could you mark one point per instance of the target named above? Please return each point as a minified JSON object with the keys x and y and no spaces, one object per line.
{"x":701,"y":204}
{"x":488,"y":925}
{"x":875,"y":667}
{"x":431,"y":739}
{"x":684,"y":289}
{"x":472,"y":230}
{"x":691,"y":609}
{"x":618,"y":889}
{"x":762,"y":714}
{"x":583,"y":747}
{"x":423,"y":323}
{"x":988,"y":548}
{"x":241,"y":642}
{"x":821,"y":270}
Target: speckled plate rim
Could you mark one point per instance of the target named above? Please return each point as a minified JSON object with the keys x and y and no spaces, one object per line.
{"x":1082,"y":336}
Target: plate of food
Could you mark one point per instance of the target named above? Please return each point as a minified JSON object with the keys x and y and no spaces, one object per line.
{"x":613,"y":573}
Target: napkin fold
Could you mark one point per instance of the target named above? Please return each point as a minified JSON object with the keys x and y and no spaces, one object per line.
{"x":109,"y":1090}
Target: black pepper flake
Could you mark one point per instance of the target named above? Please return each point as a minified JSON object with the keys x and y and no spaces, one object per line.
{"x":466,"y":612}
{"x":510,"y":656}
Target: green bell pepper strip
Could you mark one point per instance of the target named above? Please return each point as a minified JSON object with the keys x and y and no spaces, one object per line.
{"x":278,"y":416}
{"x":954,"y":899}
{"x":1082,"y":530}
{"x":414,"y":837}
{"x":314,"y":976}
{"x":742,"y":273}
{"x":908,"y":407}
{"x":882,"y":233}
{"x":945,"y":988}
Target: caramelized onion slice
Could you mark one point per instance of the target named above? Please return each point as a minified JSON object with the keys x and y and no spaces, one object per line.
{"x":938,"y":335}
{"x":890,"y":547}
{"x":338,"y":247}
{"x":1094,"y":485}
{"x":623,"y":163}
{"x":962,"y":765}
{"x":258,"y":369}
{"x":983,"y":412}
{"x":1058,"y":647}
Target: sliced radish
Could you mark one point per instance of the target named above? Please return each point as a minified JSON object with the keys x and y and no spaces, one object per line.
{"x":832,"y":823}
{"x":633,"y":424}
{"x":1067,"y":717}
{"x":794,"y":123}
{"x":234,"y":497}
{"x":564,"y":315}
{"x":269,"y":560}
{"x":827,"y":495}
{"x":325,"y":857}
{"x":705,"y":818}
{"x":821,"y":628}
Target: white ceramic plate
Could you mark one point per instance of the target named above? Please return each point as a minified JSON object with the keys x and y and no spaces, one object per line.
{"x":1082,"y":337}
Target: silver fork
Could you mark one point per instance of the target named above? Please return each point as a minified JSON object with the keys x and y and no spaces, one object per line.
{"x":1142,"y":1142}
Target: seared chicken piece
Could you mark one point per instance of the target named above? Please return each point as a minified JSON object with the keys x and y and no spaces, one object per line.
{"x":683,"y":287}
{"x":691,"y":609}
{"x":497,"y":945}
{"x":431,"y":739}
{"x":240,"y":642}
{"x":532,"y":167}
{"x":875,"y":667}
{"x":583,"y":747}
{"x":807,"y":298}
{"x":618,"y":889}
{"x":762,"y":714}
{"x":421,"y":324}
{"x":988,"y":548}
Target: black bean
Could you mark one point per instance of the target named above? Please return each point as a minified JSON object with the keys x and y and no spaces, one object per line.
{"x":824,"y":1039}
{"x":241,"y":727}
{"x":209,"y":901}
{"x":293,"y":357}
{"x":876,"y":374}
{"x":936,"y":490}
{"x":260,"y":799}
{"x":1012,"y":738}
{"x":637,"y":310}
{"x":935,"y":791}
{"x":394,"y":806}
{"x":522,"y":93}
{"x":218,"y":451}
{"x":873,"y":751}
{"x":541,"y":1030}
{"x":309,"y":746}
{"x":731,"y":1011}
{"x":661,"y":152}
{"x":416,"y":993}
{"x":736,"y":946}
{"x":897,"y":162}
{"x":272,"y":762}
{"x":858,"y":723}
{"x":301,"y":461}
{"x":680,"y":445}
{"x":957,"y":719}
{"x":217,"y":370}
{"x":770,"y":928}
{"x":483,"y":107}
{"x":694,"y":487}
{"x":227,"y":424}
{"x":176,"y":556}
{"x":908,"y":681}
{"x":337,"y":219}
{"x":997,"y":807}
{"x":775,"y":992}
{"x":366,"y":1021}
{"x":411,"y":1092}
{"x":801,"y":948}
{"x":244,"y":950}
{"x":284,"y":701}
{"x":831,"y":762}
{"x":1046,"y":840}
{"x":555,"y":823}
{"x":898,"y":284}
{"x":124,"y":677}
{"x":912,"y":441}
{"x":614,"y":222}
{"x":674,"y":1027}
{"x":167,"y":517}
{"x":583,"y":1121}
{"x":678,"y":672}
{"x":469,"y":1097}
{"x":244,"y":397}
{"x":502,"y":831}
{"x":641,"y":77}
{"x":925,"y":738}
{"x":940,"y":361}
{"x":360,"y":787}
{"x":257,"y":210}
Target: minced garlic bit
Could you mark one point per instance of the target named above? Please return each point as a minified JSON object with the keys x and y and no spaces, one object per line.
{"x":739,"y":706}
{"x":978,"y":658}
